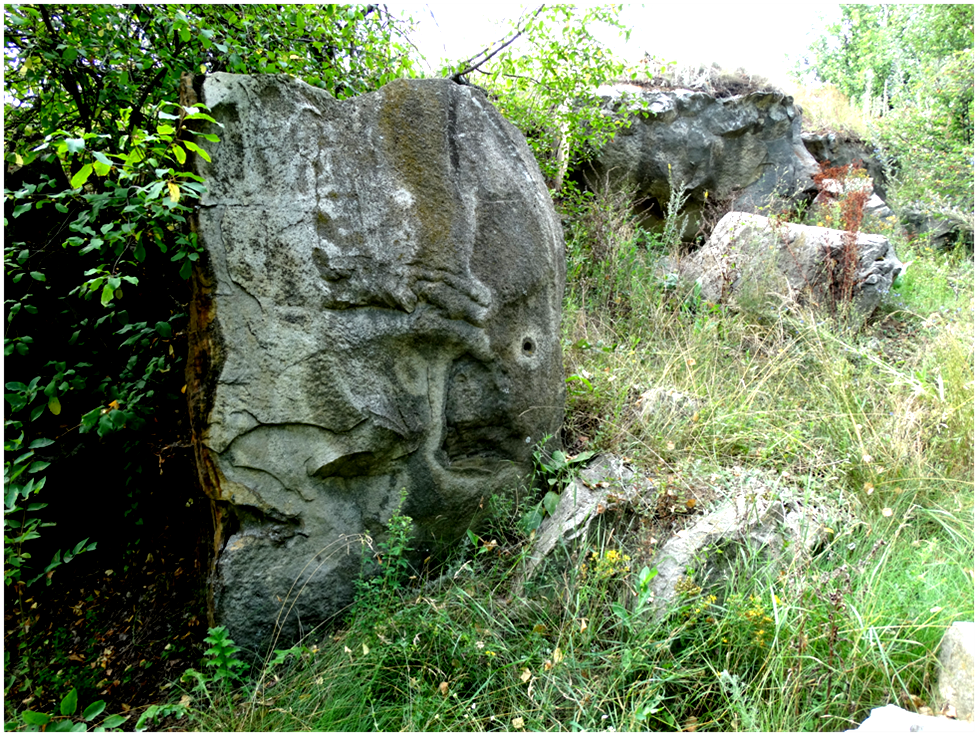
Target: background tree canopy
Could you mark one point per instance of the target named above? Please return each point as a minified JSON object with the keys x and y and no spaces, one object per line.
{"x":911,"y":69}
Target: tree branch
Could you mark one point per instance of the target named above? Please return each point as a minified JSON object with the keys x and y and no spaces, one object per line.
{"x":72,"y":86}
{"x":483,"y":56}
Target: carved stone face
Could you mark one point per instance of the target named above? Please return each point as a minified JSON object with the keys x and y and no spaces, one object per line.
{"x":383,"y":316}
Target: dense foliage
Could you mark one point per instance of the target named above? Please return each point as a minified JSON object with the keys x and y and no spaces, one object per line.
{"x":99,"y":192}
{"x":911,"y":70}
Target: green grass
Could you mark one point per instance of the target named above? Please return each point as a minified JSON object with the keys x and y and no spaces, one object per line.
{"x":878,"y":422}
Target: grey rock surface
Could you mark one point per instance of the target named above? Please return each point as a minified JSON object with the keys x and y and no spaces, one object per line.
{"x":750,"y":254}
{"x":605,"y":476}
{"x":775,"y":526}
{"x":746,"y":150}
{"x":892,"y":719}
{"x":378,"y":310}
{"x":840,"y":150}
{"x":956,"y":669}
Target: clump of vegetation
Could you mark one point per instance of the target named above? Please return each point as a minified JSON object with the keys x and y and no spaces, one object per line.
{"x":909,"y":71}
{"x":712,"y":79}
{"x":827,"y":110}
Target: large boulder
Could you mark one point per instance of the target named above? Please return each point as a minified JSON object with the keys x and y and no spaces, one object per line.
{"x":749,"y":255}
{"x":743,"y":152}
{"x":377,"y":311}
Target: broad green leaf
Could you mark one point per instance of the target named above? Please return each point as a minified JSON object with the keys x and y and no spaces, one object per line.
{"x":107,"y":293}
{"x":154,"y":190}
{"x":38,"y":276}
{"x":101,"y":158}
{"x":94,"y":710}
{"x":550,"y":502}
{"x":202,"y":116}
{"x":532,"y":520}
{"x":114,"y":721}
{"x":42,"y":442}
{"x":34,"y":718}
{"x":69,"y":704}
{"x":197,"y":149}
{"x":164,"y":330}
{"x":180,"y":154}
{"x":54,"y":405}
{"x":79,"y":179}
{"x":75,"y":145}
{"x":102,"y":169}
{"x":65,"y":727}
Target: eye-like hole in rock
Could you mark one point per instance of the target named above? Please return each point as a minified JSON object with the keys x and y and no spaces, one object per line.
{"x":528,"y":346}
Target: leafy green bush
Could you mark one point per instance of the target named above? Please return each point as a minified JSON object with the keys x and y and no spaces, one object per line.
{"x":65,"y":721}
{"x":100,"y":193}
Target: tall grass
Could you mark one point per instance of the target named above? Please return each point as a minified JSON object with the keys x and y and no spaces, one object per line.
{"x":878,"y":422}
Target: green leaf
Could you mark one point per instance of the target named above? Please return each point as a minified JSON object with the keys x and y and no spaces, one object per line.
{"x":79,"y":179}
{"x":102,"y":168}
{"x":164,"y":330}
{"x":532,"y":520}
{"x":65,"y":727}
{"x":198,"y":150}
{"x":75,"y":145}
{"x":472,"y":537}
{"x":38,"y":276}
{"x":202,"y":116}
{"x":69,"y":704}
{"x":180,"y":154}
{"x":42,"y":442}
{"x":114,"y":721}
{"x":54,"y":404}
{"x":35,"y":719}
{"x":107,"y":293}
{"x":39,"y":465}
{"x":550,"y":502}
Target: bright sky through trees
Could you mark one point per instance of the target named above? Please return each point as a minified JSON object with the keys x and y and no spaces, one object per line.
{"x":757,"y":36}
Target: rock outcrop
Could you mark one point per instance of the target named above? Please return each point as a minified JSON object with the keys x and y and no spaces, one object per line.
{"x":840,"y":150}
{"x":743,"y":152}
{"x":749,"y":255}
{"x":377,"y":311}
